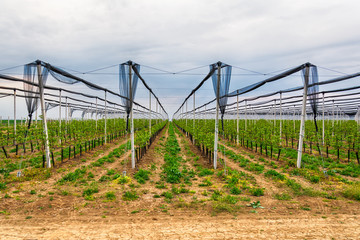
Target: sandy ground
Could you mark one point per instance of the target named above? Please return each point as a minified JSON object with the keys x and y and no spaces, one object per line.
{"x":179,"y":226}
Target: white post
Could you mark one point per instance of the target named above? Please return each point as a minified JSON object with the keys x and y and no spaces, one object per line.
{"x":280,"y":116}
{"x":14,"y":116}
{"x":237,"y":119}
{"x":66,"y":110}
{"x":217,"y":117}
{"x":245,"y":115}
{"x":303,"y":113}
{"x":96,"y":114}
{"x":194,"y":121}
{"x":333,"y":117}
{"x":105,"y":118}
{"x":42,"y":102}
{"x":323,"y":118}
{"x":131,"y":121}
{"x":157,"y":105}
{"x":60,"y":115}
{"x":186,"y":114}
{"x":150,"y":112}
{"x":294,"y":117}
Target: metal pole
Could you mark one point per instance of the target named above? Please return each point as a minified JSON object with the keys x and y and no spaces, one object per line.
{"x":194,"y":121}
{"x":280,"y":116}
{"x":14,"y":116}
{"x":150,"y":112}
{"x":66,"y":110}
{"x":217,"y":116}
{"x":96,"y":114}
{"x":333,"y":117}
{"x":294,"y":118}
{"x":245,"y":115}
{"x":131,"y":121}
{"x":105,"y":118}
{"x":323,"y":117}
{"x":60,"y":115}
{"x":186,"y":109}
{"x":237,"y":119}
{"x":303,"y":113}
{"x":42,"y":102}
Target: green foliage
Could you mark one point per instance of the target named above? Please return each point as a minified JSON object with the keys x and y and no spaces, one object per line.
{"x":257,"y":192}
{"x":275,"y":175}
{"x":90,"y":191}
{"x":352,"y":191}
{"x":130,"y":196}
{"x":235,"y":190}
{"x":142,"y":176}
{"x":2,"y":185}
{"x":73,"y":176}
{"x":282,"y":196}
{"x":167,"y":195}
{"x":123,"y":179}
{"x":256,"y":204}
{"x":110,"y":196}
{"x":204,"y":171}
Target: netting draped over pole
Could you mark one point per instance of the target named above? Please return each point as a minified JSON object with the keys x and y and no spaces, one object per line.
{"x":124,"y":86}
{"x":31,"y":91}
{"x":224,"y":86}
{"x":303,"y":113}
{"x":313,"y":89}
{"x":42,"y":102}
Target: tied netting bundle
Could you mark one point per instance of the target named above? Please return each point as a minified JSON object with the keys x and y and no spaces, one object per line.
{"x":31,"y":91}
{"x":311,"y":79}
{"x":224,"y":85}
{"x":124,"y":86}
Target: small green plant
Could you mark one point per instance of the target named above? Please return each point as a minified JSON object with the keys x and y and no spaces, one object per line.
{"x":123,"y":179}
{"x":160,"y":185}
{"x":32,"y":192}
{"x":255,"y":205}
{"x":2,"y":185}
{"x":65,"y":193}
{"x":306,"y":208}
{"x":257,"y":192}
{"x":205,"y":183}
{"x":352,"y":192}
{"x":90,"y":191}
{"x":235,"y":190}
{"x":142,"y":176}
{"x":130,"y":196}
{"x":282,"y":196}
{"x":110,"y":196}
{"x":167,"y":195}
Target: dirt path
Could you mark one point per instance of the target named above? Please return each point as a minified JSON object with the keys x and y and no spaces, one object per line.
{"x":184,"y":227}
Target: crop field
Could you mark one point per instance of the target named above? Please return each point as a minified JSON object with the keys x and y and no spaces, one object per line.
{"x":174,"y":192}
{"x":96,"y":164}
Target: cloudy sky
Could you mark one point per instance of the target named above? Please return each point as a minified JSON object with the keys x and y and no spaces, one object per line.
{"x":259,"y":35}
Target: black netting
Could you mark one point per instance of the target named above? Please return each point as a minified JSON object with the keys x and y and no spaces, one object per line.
{"x":49,"y":106}
{"x":124,"y":86}
{"x":312,"y":80}
{"x":31,"y":91}
{"x":224,"y":85}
